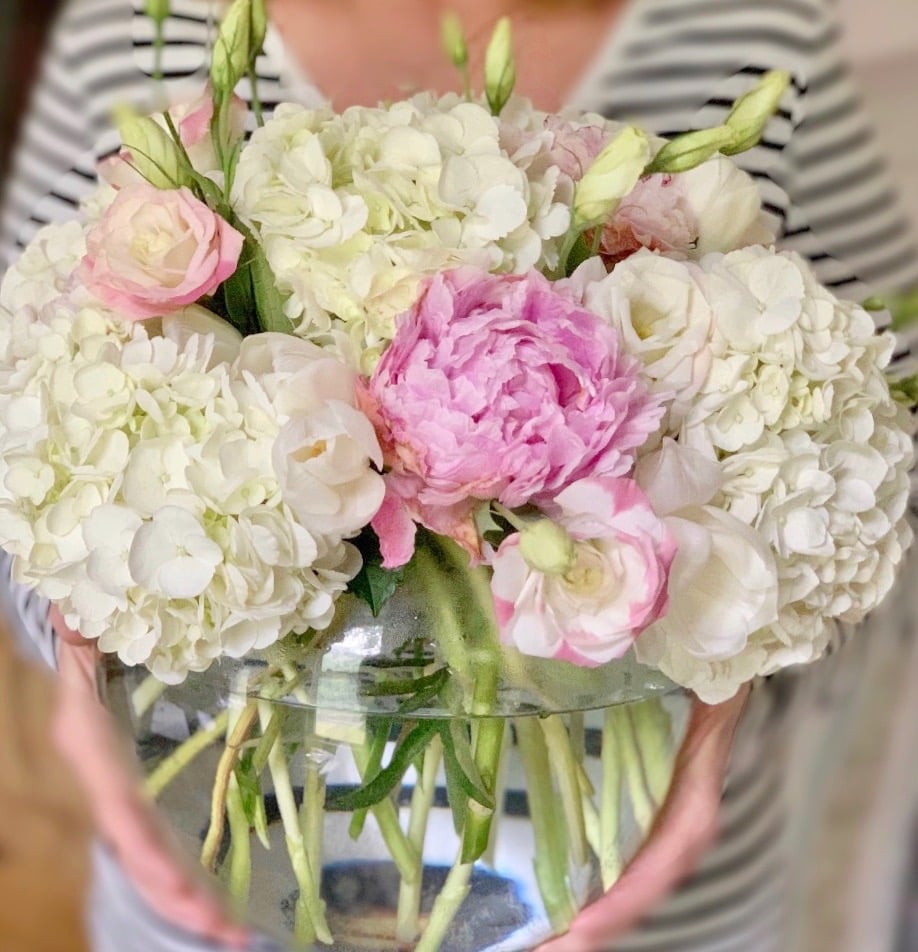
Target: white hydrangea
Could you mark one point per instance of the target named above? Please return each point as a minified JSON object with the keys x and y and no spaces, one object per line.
{"x":354,"y":209}
{"x":138,"y":486}
{"x":782,"y":386}
{"x":44,"y":269}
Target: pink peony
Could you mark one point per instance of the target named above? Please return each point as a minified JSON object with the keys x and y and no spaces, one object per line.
{"x":614,"y":585}
{"x":500,"y":387}
{"x":155,"y":251}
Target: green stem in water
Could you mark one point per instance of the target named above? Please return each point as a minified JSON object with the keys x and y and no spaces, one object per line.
{"x":385,"y":813}
{"x":239,"y":862}
{"x":146,"y":694}
{"x":234,"y":742}
{"x":611,"y":861}
{"x":409,"y":894}
{"x":486,"y":657}
{"x":445,"y":907}
{"x":309,"y":918}
{"x":561,"y":755}
{"x":167,"y":770}
{"x":651,"y":728}
{"x":551,"y":857}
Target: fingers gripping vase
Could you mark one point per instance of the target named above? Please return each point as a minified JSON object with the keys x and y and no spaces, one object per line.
{"x":392,"y":784}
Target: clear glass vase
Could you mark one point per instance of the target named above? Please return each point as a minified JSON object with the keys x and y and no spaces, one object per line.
{"x":388,"y":785}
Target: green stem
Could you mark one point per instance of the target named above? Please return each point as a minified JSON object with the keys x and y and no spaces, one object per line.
{"x":234,"y":741}
{"x":485,"y":656}
{"x":562,"y":757}
{"x":385,"y":813}
{"x":158,"y":44}
{"x":256,"y":99}
{"x":146,"y":694}
{"x":239,"y":863}
{"x":409,"y":894}
{"x":651,"y":727}
{"x":309,"y":918}
{"x":551,"y":860}
{"x":445,"y":907}
{"x":167,"y":770}
{"x":508,"y":514}
{"x":611,"y":861}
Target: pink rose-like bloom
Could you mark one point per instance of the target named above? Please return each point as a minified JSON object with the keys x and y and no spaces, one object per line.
{"x":713,"y":207}
{"x":575,"y":146}
{"x":616,"y":585}
{"x":156,"y":250}
{"x":499,"y":387}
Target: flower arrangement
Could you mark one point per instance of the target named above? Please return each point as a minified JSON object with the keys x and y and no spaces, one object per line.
{"x":261,"y":373}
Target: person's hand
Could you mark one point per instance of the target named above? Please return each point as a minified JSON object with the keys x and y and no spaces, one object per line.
{"x":684,"y":828}
{"x":124,"y":817}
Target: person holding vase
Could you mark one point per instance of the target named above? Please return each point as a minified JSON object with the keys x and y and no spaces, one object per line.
{"x":671,"y":65}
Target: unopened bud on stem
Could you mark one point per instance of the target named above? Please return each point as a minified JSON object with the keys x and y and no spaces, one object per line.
{"x":500,"y":68}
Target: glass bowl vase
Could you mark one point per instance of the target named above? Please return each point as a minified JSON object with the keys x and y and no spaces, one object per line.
{"x":385,"y":784}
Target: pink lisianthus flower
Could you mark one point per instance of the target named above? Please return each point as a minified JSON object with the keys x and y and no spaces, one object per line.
{"x":613,"y":585}
{"x":157,"y":250}
{"x":499,"y":387}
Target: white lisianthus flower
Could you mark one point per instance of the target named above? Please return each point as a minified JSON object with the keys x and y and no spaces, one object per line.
{"x":723,"y":584}
{"x":589,"y":608}
{"x":658,"y":307}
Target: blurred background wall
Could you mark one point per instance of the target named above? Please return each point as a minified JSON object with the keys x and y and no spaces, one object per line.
{"x":881,"y":39}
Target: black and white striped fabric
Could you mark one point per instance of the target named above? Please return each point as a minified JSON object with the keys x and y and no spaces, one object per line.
{"x":672,"y":65}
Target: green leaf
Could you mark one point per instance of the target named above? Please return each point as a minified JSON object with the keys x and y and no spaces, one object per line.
{"x":380,"y":730}
{"x":269,"y":738}
{"x":238,"y":297}
{"x":383,"y":783}
{"x":581,"y":252}
{"x":425,"y":695}
{"x":406,"y":685}
{"x":253,"y":804}
{"x":457,"y":756}
{"x":268,"y":301}
{"x":374,"y":584}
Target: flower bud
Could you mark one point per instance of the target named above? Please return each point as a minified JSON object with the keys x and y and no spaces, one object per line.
{"x":691,"y":149}
{"x":547,"y":547}
{"x":150,"y":150}
{"x":453,"y":40}
{"x":241,"y":36}
{"x":613,"y":174}
{"x":750,"y":113}
{"x":157,"y":10}
{"x":499,"y":67}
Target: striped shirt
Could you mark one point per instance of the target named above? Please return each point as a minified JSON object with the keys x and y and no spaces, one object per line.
{"x":671,"y":65}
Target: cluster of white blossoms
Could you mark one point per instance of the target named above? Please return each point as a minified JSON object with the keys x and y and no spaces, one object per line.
{"x":781,"y":386}
{"x":180,"y":496}
{"x":353,"y":209}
